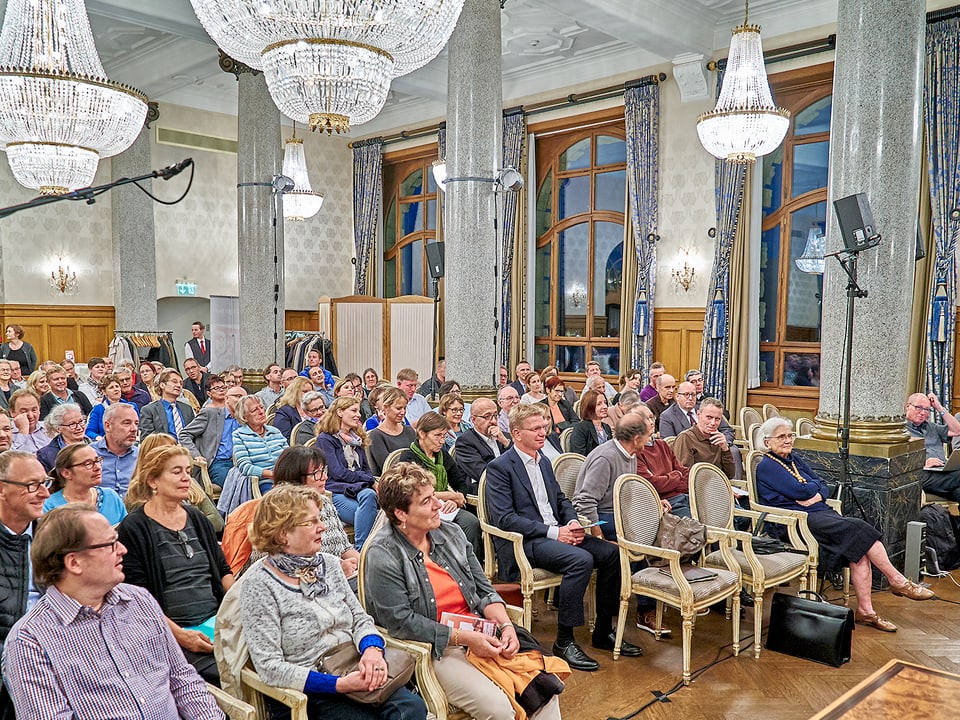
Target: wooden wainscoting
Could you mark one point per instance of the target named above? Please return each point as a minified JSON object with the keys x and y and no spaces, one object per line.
{"x":55,"y":329}
{"x":677,"y":337}
{"x":307,"y":320}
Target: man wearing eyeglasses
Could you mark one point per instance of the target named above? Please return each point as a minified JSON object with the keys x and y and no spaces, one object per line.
{"x":934,"y":435}
{"x":482,"y":443}
{"x":209,"y":436}
{"x":93,"y":646}
{"x":23,"y":488}
{"x":682,"y":415}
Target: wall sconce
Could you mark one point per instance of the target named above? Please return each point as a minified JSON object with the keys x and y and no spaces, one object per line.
{"x":683,"y":277}
{"x":578,"y":294}
{"x":63,"y":280}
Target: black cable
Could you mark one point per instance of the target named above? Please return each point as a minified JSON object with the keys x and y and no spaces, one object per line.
{"x":166,"y":202}
{"x":952,"y":602}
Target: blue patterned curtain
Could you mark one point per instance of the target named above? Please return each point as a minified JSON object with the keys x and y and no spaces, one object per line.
{"x":367,"y":198}
{"x":716,"y":324}
{"x":442,"y":141}
{"x":514,"y":137}
{"x":642,"y":119}
{"x":941,"y":101}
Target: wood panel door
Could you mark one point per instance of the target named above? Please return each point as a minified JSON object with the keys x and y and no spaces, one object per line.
{"x":677,"y":337}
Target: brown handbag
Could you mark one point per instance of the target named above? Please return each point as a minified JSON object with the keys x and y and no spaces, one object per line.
{"x":683,"y":534}
{"x":344,"y":659}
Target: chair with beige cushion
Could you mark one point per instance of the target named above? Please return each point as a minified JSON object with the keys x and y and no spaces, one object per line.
{"x":638,"y":514}
{"x":566,"y":468}
{"x":712,"y":503}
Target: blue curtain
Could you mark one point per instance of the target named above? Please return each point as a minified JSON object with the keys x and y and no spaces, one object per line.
{"x":642,"y":119}
{"x":941,"y":101}
{"x":514,"y":137}
{"x":367,"y":199}
{"x":716,"y":342}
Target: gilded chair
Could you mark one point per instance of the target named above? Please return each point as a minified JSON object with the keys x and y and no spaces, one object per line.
{"x":756,"y":438}
{"x":770,"y":410}
{"x":748,"y":416}
{"x":565,"y":439}
{"x":566,"y":468}
{"x":531,"y":579}
{"x":638,"y":514}
{"x":391,"y":459}
{"x":233,"y":708}
{"x":799,"y":535}
{"x":670,"y":440}
{"x":712,"y":503}
{"x":804,"y":426}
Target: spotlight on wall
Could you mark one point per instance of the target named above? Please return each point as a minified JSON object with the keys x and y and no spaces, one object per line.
{"x":683,"y":275}
{"x":510,"y":179}
{"x":955,"y":214}
{"x":653,"y":238}
{"x":440,"y":173}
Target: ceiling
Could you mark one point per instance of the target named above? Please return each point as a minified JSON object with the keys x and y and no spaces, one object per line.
{"x":159,"y":47}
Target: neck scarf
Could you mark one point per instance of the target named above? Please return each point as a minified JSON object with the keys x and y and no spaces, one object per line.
{"x":434,"y":466}
{"x":310,"y":570}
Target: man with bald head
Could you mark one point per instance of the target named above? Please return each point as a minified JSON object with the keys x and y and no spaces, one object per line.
{"x":507,"y":398}
{"x":484,"y":442}
{"x":934,"y":435}
{"x":666,"y":391}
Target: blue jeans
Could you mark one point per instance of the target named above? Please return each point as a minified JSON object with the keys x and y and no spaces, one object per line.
{"x":402,"y":705}
{"x":218,"y":470}
{"x":680,"y":505}
{"x":359,"y":512}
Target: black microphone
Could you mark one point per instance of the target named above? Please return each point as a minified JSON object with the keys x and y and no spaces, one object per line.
{"x":175,"y":169}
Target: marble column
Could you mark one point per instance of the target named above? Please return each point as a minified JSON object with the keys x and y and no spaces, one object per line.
{"x":474,"y":148}
{"x":134,"y":241}
{"x":259,"y":225}
{"x":875,"y":148}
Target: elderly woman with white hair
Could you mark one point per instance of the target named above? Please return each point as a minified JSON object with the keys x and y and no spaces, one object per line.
{"x":784,"y":480}
{"x":66,"y":425}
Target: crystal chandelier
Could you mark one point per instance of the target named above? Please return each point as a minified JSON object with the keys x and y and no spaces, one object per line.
{"x":59,"y":114}
{"x":745,"y":123}
{"x":302,"y":202}
{"x":63,"y":281}
{"x":812,"y":259}
{"x":329,"y":63}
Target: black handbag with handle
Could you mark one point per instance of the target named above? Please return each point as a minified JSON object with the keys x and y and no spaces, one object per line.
{"x":810,"y":629}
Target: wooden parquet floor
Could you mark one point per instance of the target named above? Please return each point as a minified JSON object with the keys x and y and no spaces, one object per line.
{"x":778,"y":687}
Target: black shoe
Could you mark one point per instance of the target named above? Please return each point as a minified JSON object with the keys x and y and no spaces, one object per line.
{"x":608,"y":641}
{"x":576,"y":657}
{"x":746,"y":599}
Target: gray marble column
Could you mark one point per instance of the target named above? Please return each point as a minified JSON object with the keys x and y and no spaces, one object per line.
{"x":134,"y":241}
{"x":875,"y":148}
{"x":474,"y":148}
{"x":259,"y":159}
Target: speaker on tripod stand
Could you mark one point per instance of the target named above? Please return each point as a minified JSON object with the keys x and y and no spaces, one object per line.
{"x":434,"y":252}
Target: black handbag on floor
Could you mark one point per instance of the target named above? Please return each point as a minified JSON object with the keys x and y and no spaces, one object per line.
{"x":810,"y":629}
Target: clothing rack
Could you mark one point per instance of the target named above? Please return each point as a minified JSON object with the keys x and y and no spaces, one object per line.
{"x":300,"y":342}
{"x":129,"y":344}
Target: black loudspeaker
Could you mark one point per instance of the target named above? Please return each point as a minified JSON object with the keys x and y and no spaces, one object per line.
{"x":435,"y":259}
{"x":856,"y":222}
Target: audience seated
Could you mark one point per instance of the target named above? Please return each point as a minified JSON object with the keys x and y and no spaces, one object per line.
{"x":666,"y":389}
{"x":628,"y":400}
{"x":562,"y":414}
{"x":173,"y":553}
{"x":521,"y":372}
{"x":342,"y":441}
{"x":452,"y":409}
{"x":593,"y":430}
{"x":60,"y":393}
{"x":207,"y":437}
{"x":90,"y":386}
{"x":682,"y":415}
{"x":299,"y":594}
{"x":630,"y":381}
{"x":28,"y":434}
{"x":450,"y":482}
{"x":392,"y":433}
{"x":934,"y":436}
{"x":288,"y":412}
{"x":77,"y":475}
{"x":129,"y":391}
{"x":417,"y":404}
{"x":507,"y":398}
{"x":256,"y":445}
{"x":483,"y":443}
{"x":117,"y":637}
{"x":110,"y":392}
{"x":65,"y":425}
{"x":6,"y":384}
{"x":118,"y":446}
{"x":535,"y":388}
{"x":650,"y":389}
{"x":168,"y":414}
{"x":657,"y":463}
{"x":273,"y":389}
{"x":704,"y":442}
{"x":314,"y":407}
{"x":594,"y":381}
{"x":432,"y":386}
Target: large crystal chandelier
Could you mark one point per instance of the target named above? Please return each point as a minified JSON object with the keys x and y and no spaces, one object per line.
{"x":59,"y":114}
{"x":329,"y":63}
{"x":745,"y":123}
{"x":303,"y":201}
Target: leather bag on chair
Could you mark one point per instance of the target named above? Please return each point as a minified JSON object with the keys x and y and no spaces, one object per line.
{"x":810,"y":629}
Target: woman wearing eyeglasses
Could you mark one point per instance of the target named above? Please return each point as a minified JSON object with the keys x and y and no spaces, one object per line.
{"x":452,"y":408}
{"x":76,"y":478}
{"x":296,"y":466}
{"x":66,"y":425}
{"x":784,"y":480}
{"x":172,"y":551}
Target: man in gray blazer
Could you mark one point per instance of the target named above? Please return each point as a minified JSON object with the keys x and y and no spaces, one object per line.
{"x":210,"y":434}
{"x":168,"y":414}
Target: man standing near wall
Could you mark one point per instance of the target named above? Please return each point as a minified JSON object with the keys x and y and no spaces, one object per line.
{"x":198,"y":347}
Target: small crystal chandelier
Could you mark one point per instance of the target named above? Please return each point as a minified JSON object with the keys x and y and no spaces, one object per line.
{"x":59,"y":114}
{"x":745,"y":123}
{"x":329,"y":63}
{"x":63,"y":281}
{"x":812,"y":259}
{"x":302,"y":202}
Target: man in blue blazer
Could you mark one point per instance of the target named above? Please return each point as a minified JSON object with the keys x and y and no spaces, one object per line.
{"x":523,"y":496}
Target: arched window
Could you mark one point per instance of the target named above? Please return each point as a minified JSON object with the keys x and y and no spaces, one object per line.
{"x":794,"y":208}
{"x":579,"y":261}
{"x":411,"y":218}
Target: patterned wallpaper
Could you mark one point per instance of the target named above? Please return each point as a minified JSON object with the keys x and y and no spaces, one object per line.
{"x":196,"y":239}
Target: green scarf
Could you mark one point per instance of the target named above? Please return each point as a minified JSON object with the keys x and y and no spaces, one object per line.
{"x":437,"y":468}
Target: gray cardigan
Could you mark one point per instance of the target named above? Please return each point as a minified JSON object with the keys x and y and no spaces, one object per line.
{"x":594,"y":491}
{"x":398,"y":591}
{"x":287,"y":634}
{"x":202,"y":435}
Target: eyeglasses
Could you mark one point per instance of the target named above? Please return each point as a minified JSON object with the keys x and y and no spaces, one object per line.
{"x":316,"y":410}
{"x":312,"y":522}
{"x":88,"y":464}
{"x":30,"y":487}
{"x":185,"y":544}
{"x":537,"y":428}
{"x":217,"y":388}
{"x":783,"y":438}
{"x":457,"y":411}
{"x":79,"y":424}
{"x":488,"y":416}
{"x":317,"y":474}
{"x":98,"y":546}
{"x":920,"y":408}
{"x":687,"y":395}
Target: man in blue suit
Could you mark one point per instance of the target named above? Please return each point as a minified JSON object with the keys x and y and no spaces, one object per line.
{"x":523,"y":496}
